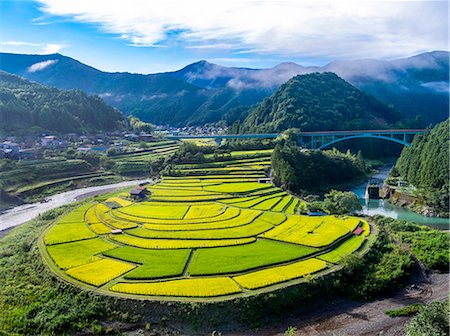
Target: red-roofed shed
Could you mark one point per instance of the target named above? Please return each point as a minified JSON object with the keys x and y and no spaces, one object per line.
{"x":358,"y":231}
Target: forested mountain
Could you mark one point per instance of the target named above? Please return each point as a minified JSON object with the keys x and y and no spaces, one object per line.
{"x":318,"y":101}
{"x":204,"y":92}
{"x":27,"y":107}
{"x":426,"y":164}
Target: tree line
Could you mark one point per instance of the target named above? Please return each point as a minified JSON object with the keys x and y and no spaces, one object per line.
{"x":426,"y":166}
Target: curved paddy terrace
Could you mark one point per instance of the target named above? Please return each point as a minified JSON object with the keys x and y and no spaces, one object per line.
{"x":207,"y":232}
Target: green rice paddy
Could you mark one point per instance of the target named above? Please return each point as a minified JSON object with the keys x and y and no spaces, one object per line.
{"x":206,"y":231}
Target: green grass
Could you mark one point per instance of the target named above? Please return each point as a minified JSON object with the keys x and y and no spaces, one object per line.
{"x":408,"y":310}
{"x":292,"y":207}
{"x":170,"y":244}
{"x":251,"y":164}
{"x":222,"y":178}
{"x":235,"y":259}
{"x":165,"y":192}
{"x":247,"y":154}
{"x":228,"y":214}
{"x":268,"y":204}
{"x":274,"y":218}
{"x":199,"y":287}
{"x":268,"y":191}
{"x":206,"y":211}
{"x":154,"y":263}
{"x":349,"y":246}
{"x":279,"y":274}
{"x":237,"y":188}
{"x":78,"y":253}
{"x":283,"y":203}
{"x":156,"y":210}
{"x":221,"y":163}
{"x":246,"y":216}
{"x":189,"y":199}
{"x":114,"y":222}
{"x":100,"y":271}
{"x":309,"y":231}
{"x":29,"y":188}
{"x":249,"y":230}
{"x":238,"y":199}
{"x":76,"y":216}
{"x":67,"y":233}
{"x":254,"y":202}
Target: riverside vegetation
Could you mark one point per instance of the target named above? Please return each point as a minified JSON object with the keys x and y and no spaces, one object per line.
{"x":425,"y":166}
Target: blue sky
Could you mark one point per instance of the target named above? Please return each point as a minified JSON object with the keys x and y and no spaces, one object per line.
{"x":149,"y":36}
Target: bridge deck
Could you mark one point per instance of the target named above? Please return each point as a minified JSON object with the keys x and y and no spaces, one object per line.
{"x":384,"y":131}
{"x":302,"y":134}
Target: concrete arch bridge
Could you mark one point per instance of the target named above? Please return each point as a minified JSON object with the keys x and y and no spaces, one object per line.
{"x":320,"y":139}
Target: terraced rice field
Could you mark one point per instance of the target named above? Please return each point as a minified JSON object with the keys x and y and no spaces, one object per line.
{"x":208,"y":231}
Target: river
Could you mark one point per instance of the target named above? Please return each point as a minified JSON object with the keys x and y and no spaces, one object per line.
{"x":23,"y":213}
{"x":374,"y":207}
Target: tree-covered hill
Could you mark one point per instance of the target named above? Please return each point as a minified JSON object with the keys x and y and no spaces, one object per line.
{"x":426,"y":165}
{"x":27,"y":107}
{"x":318,"y":101}
{"x":299,"y":169}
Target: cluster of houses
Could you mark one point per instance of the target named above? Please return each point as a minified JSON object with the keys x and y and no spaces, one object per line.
{"x":33,"y":147}
{"x":190,"y":130}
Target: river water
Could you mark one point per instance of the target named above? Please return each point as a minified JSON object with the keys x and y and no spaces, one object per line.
{"x":23,"y":213}
{"x":374,"y":207}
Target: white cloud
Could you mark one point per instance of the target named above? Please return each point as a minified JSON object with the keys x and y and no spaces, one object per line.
{"x":53,"y":48}
{"x":20,"y":44}
{"x":41,"y":65}
{"x":441,"y":87}
{"x":31,"y":47}
{"x":333,"y":29}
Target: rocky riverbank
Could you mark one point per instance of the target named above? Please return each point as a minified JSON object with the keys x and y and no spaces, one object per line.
{"x":414,"y":202}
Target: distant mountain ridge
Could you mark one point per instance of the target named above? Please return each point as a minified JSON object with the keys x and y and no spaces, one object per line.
{"x":27,"y":108}
{"x":204,"y":92}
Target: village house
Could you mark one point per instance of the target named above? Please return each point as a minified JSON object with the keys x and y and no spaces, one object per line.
{"x":49,"y":141}
{"x":132,"y":137}
{"x":146,"y":137}
{"x":139,"y":193}
{"x":9,"y":149}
